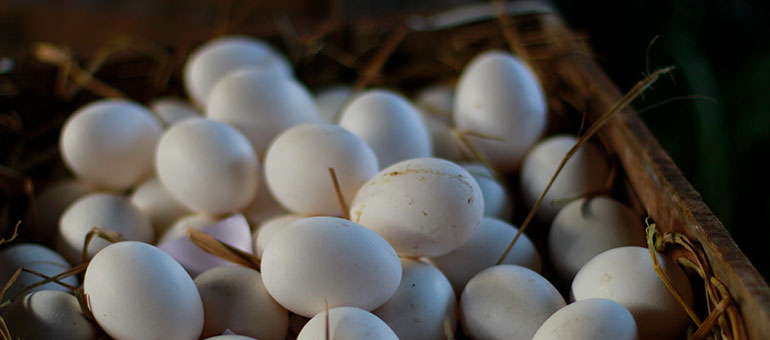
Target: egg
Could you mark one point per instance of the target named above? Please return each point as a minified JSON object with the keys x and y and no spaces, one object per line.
{"x":346,"y":323}
{"x":422,"y":206}
{"x":331,"y":101}
{"x":109,"y":212}
{"x":235,"y":298}
{"x":260,"y":105}
{"x":587,"y":227}
{"x":48,"y":314}
{"x":497,"y":202}
{"x":483,"y":251}
{"x":497,"y":95}
{"x":626,"y":275}
{"x":507,"y":302}
{"x":585,"y":173}
{"x":264,"y":206}
{"x":268,"y":229}
{"x":424,"y":305}
{"x":297,"y":167}
{"x":154,"y":201}
{"x":51,"y":203}
{"x":212,"y":61}
{"x":172,"y":110}
{"x":34,"y":257}
{"x":444,"y":143}
{"x":320,"y":260}
{"x":110,"y":143}
{"x":437,"y":99}
{"x":207,"y":166}
{"x":389,"y":124}
{"x":230,"y":337}
{"x":179,"y":228}
{"x":590,"y":319}
{"x":136,"y":291}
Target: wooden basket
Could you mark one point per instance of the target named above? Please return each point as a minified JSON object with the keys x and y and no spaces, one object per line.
{"x":407,"y":53}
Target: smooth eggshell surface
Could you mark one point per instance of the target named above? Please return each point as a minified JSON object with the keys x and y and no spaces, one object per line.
{"x":110,"y":143}
{"x":331,"y":101}
{"x":590,"y":319}
{"x":497,"y":202}
{"x":626,"y":275}
{"x":51,"y":203}
{"x":389,"y":124}
{"x":264,"y":206}
{"x":179,"y":228}
{"x":587,"y":227}
{"x":424,"y":305}
{"x":208,"y":166}
{"x":499,"y":96}
{"x":346,"y":323}
{"x":154,"y":201}
{"x":234,"y":298}
{"x":320,"y":260}
{"x":34,"y":257}
{"x":507,"y":302}
{"x":48,"y":314}
{"x":297,"y":167}
{"x":173,"y":110}
{"x":107,"y":211}
{"x":136,"y":291}
{"x":268,"y":229}
{"x":423,"y":206}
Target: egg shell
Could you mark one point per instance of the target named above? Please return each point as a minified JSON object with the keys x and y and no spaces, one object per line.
{"x":268,"y":229}
{"x":423,"y":206}
{"x":444,"y":143}
{"x":389,"y":124}
{"x":346,"y":323}
{"x":260,"y":105}
{"x":437,"y":99}
{"x":497,"y":202}
{"x":297,"y":167}
{"x":154,"y":201}
{"x":234,"y":298}
{"x":233,"y":231}
{"x":586,"y":228}
{"x":483,"y":251}
{"x":48,"y":314}
{"x":172,"y":110}
{"x":264,"y":206}
{"x":51,"y":203}
{"x":590,"y":319}
{"x":507,"y":302}
{"x":320,"y":260}
{"x":585,"y":173}
{"x":34,"y":257}
{"x":626,"y":275}
{"x":208,"y":166}
{"x":179,"y":228}
{"x":424,"y":305}
{"x":331,"y":100}
{"x":110,"y":142}
{"x":217,"y":58}
{"x":499,"y":96}
{"x":109,"y":212}
{"x":136,"y":291}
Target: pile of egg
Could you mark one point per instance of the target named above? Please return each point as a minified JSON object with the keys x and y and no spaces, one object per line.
{"x":415,"y":258}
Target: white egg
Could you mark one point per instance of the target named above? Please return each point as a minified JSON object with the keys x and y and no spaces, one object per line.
{"x":268,"y":229}
{"x":590,"y":319}
{"x":437,"y":99}
{"x":424,"y":305}
{"x":586,"y":228}
{"x":48,"y":314}
{"x":445,"y":144}
{"x":173,"y":110}
{"x":260,"y":105}
{"x":34,"y":257}
{"x":208,"y":166}
{"x":320,"y":260}
{"x":179,"y":228}
{"x":331,"y":101}
{"x":626,"y":275}
{"x":346,"y":323}
{"x":52,"y":202}
{"x":497,"y":202}
{"x":154,"y":201}
{"x":264,"y":206}
{"x":212,"y":61}
{"x":499,"y":96}
{"x":107,"y":211}
{"x":483,"y":251}
{"x":297,"y":167}
{"x":137,"y":291}
{"x":235,"y":298}
{"x":507,"y":302}
{"x":423,"y":206}
{"x":389,"y":124}
{"x":585,"y":173}
{"x":110,"y":142}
